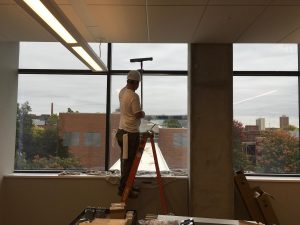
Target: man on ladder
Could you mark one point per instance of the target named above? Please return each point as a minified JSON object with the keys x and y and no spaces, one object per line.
{"x":128,"y":135}
{"x":129,"y":138}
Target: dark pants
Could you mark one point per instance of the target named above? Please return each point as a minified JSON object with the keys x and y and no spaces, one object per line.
{"x":133,"y":144}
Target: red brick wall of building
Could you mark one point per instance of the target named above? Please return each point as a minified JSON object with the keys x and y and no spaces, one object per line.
{"x":175,"y":156}
{"x":90,"y":157}
{"x":94,"y":157}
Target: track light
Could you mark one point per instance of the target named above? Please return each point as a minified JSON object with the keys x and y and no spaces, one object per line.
{"x":40,"y":9}
{"x":87,"y":57}
{"x":50,"y":16}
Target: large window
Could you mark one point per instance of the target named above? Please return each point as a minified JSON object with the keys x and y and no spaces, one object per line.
{"x":62,"y":119}
{"x":266,"y":109}
{"x":165,"y":56}
{"x":165,"y":104}
{"x":265,"y":57}
{"x":165,"y":116}
{"x":60,"y":122}
{"x":53,"y":55}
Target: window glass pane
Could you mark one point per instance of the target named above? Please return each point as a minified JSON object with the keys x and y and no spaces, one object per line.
{"x":179,"y":140}
{"x":92,"y":139}
{"x":165,"y":105}
{"x":265,"y":57}
{"x":60,"y":122}
{"x":53,"y":55}
{"x":71,"y":139}
{"x":266,"y":124}
{"x":165,"y":56}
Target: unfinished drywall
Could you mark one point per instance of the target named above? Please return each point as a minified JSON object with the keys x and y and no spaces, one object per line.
{"x":9,"y":56}
{"x":210,"y":120}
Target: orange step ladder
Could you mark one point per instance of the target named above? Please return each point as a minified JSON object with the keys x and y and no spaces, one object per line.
{"x":135,"y":165}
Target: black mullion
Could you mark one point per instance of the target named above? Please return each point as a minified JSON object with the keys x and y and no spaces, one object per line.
{"x":265,"y":73}
{"x":154,"y":72}
{"x":298,"y":94}
{"x":59,"y":72}
{"x":108,"y":107}
{"x":89,"y":72}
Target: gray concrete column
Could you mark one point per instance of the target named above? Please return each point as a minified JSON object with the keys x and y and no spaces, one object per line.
{"x":210,"y":113}
{"x":9,"y":62}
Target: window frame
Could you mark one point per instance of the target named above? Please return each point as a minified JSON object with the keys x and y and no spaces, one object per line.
{"x":275,"y":74}
{"x":109,"y":73}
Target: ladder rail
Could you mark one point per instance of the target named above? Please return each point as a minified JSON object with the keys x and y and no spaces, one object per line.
{"x":163,"y":201}
{"x":134,"y":168}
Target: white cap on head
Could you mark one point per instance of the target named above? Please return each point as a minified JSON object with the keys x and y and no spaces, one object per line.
{"x":134,"y":75}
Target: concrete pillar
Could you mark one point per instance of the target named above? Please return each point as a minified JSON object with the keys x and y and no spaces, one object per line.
{"x":210,"y":113}
{"x":9,"y":62}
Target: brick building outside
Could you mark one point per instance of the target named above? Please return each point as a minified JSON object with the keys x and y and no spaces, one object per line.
{"x":84,"y":135}
{"x":173,"y":145}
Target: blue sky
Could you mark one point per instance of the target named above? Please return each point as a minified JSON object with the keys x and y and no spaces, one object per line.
{"x":268,"y":97}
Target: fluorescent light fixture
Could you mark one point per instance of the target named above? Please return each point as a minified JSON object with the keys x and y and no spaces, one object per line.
{"x":53,"y":19}
{"x":38,"y":7}
{"x":87,"y":58}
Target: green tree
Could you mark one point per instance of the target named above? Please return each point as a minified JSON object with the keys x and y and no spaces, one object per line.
{"x":35,"y":145}
{"x":279,"y":152}
{"x":46,"y":142}
{"x":171,"y":123}
{"x":69,"y":110}
{"x":54,"y":162}
{"x":290,"y":128}
{"x":240,"y":159}
{"x":23,"y":129}
{"x":52,"y":120}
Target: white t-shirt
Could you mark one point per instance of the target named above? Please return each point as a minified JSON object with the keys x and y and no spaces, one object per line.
{"x":129,"y":105}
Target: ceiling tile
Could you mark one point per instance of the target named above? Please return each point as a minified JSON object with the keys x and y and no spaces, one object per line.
{"x":173,"y":23}
{"x":293,"y":37}
{"x":7,"y":2}
{"x":177,"y":2}
{"x":273,"y":25}
{"x":169,"y":21}
{"x":17,"y":25}
{"x":63,"y":2}
{"x":239,"y":2}
{"x":73,"y":16}
{"x":114,"y":2}
{"x":120,"y":23}
{"x":225,"y":23}
{"x":285,"y":2}
{"x":2,"y":38}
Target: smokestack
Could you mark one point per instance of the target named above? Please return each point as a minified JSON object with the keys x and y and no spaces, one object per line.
{"x":51,"y":108}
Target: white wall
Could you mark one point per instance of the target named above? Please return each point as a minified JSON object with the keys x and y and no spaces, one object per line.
{"x":58,"y":200}
{"x":286,"y":202}
{"x":9,"y":56}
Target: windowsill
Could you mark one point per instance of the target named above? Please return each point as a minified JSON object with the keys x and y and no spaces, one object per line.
{"x":84,"y":176}
{"x":49,"y":175}
{"x":273,"y":179}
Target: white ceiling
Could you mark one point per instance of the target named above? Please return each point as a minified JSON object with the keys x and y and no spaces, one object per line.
{"x":164,"y":21}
